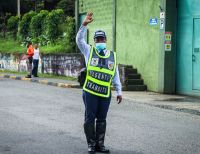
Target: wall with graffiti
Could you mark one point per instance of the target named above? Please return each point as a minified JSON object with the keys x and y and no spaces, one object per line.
{"x":66,"y":64}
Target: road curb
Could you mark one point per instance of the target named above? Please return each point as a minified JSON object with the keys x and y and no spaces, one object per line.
{"x":66,"y":85}
{"x":45,"y":82}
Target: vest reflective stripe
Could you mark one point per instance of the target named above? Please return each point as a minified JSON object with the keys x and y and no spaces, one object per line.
{"x":100,"y":76}
{"x":100,"y":72}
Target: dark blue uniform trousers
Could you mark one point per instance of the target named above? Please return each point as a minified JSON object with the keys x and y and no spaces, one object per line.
{"x":96,"y":107}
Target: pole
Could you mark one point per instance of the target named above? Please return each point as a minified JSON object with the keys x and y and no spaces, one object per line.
{"x":77,"y":18}
{"x":114,"y":26}
{"x":18,"y":8}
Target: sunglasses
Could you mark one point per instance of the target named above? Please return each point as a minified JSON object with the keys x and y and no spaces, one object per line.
{"x":100,"y":40}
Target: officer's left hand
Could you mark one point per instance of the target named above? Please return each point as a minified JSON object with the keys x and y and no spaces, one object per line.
{"x":119,"y":99}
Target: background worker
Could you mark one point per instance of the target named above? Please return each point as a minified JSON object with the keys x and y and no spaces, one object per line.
{"x":30,"y":52}
{"x":36,"y":57}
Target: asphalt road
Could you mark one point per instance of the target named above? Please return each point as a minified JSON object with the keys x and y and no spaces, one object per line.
{"x":42,"y":119}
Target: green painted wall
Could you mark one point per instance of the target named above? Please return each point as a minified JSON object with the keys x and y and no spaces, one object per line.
{"x":137,"y":43}
{"x":103,"y":18}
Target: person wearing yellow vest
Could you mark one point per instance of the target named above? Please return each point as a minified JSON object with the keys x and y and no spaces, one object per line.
{"x":102,"y":71}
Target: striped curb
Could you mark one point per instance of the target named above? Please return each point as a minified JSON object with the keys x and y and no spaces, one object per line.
{"x":65,"y":85}
{"x":45,"y":82}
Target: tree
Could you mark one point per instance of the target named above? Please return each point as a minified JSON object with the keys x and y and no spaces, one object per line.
{"x":24,"y":26}
{"x":50,"y":4}
{"x":13,"y":25}
{"x":69,"y":38}
{"x":8,"y":6}
{"x":53,"y":20}
{"x":37,"y":25}
{"x":3,"y":23}
{"x":68,"y":7}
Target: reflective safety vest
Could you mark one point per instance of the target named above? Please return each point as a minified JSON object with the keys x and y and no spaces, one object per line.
{"x":100,"y":72}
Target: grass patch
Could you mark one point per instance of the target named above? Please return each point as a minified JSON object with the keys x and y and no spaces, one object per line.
{"x":14,"y":47}
{"x":41,"y":75}
{"x":53,"y":49}
{"x":11,"y":46}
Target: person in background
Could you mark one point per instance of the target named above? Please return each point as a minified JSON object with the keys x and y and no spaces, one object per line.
{"x":30,"y":52}
{"x":36,"y":57}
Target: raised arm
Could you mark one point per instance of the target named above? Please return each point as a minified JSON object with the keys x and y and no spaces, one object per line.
{"x":80,"y":37}
{"x":80,"y":40}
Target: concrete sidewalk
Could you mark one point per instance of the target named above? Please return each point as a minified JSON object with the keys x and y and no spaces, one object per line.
{"x":187,"y":104}
{"x":172,"y":102}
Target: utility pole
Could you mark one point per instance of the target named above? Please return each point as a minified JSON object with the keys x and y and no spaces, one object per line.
{"x":18,"y":8}
{"x":35,"y":5}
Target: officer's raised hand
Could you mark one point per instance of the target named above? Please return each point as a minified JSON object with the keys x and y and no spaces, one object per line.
{"x":119,"y":99}
{"x":88,"y":19}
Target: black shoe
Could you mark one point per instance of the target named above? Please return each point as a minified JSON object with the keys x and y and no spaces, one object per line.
{"x":28,"y":76}
{"x":100,"y":135}
{"x":91,"y":150}
{"x":36,"y":76}
{"x":90,"y":136}
{"x":102,"y":149}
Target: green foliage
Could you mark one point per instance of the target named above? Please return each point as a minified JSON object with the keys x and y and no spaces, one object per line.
{"x":53,"y":20}
{"x":3,"y":23}
{"x":37,"y":25}
{"x":42,"y":40}
{"x":25,"y":42}
{"x":68,"y":6}
{"x":11,"y":46}
{"x":69,"y":34}
{"x":24,"y":26}
{"x":39,"y":5}
{"x":13,"y":23}
{"x":53,"y":49}
{"x":51,"y":30}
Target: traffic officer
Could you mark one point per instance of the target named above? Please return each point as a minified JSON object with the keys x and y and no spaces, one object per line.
{"x":102,"y":69}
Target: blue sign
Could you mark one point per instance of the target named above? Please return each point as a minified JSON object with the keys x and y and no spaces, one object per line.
{"x":153,"y":21}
